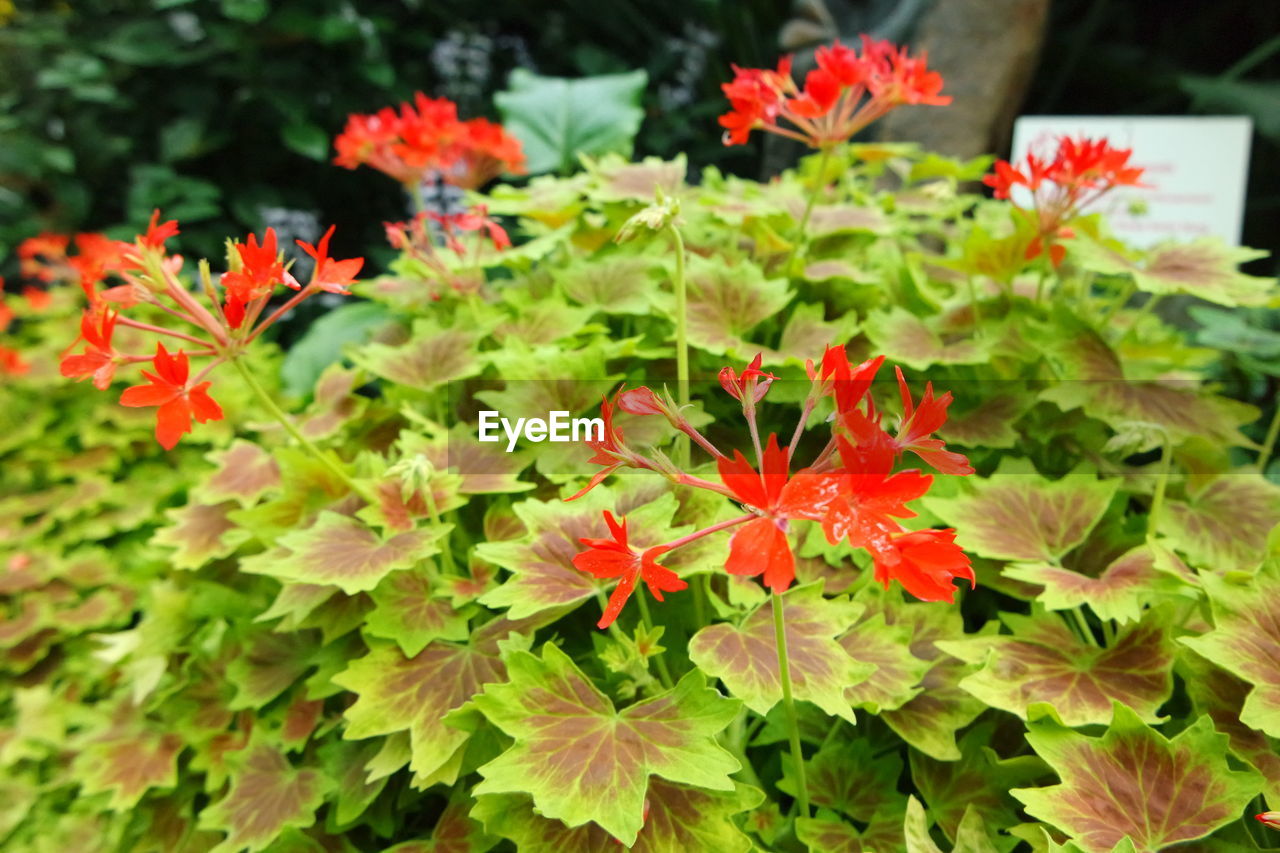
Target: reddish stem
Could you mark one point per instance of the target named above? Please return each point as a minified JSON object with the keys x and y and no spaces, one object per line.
{"x":295,"y":300}
{"x":147,"y":327}
{"x":707,"y":531}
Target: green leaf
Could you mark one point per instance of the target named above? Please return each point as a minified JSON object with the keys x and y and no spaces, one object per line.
{"x":826,"y":833}
{"x":323,"y":341}
{"x":1043,"y":661}
{"x":306,"y":139}
{"x":1016,"y":514}
{"x":266,"y":797}
{"x":454,"y":832}
{"x":1133,"y":782}
{"x":556,"y":119}
{"x":200,"y":533}
{"x":617,"y":284}
{"x":245,"y":472}
{"x":898,"y":673}
{"x":727,"y":301}
{"x":745,"y":657}
{"x":1205,"y":268}
{"x":267,"y":664}
{"x":849,"y":778}
{"x":410,"y":610}
{"x":340,"y":551}
{"x":1258,"y":99}
{"x":128,"y":766}
{"x":680,"y":819}
{"x":915,"y":829}
{"x":907,"y":339}
{"x":1245,"y":641}
{"x":434,"y":355}
{"x":1223,"y":526}
{"x":582,"y":760}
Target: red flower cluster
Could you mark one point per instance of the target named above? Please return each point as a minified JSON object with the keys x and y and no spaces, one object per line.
{"x":844,"y":94}
{"x":220,"y":330}
{"x":1081,"y":171}
{"x":469,"y":235}
{"x":427,"y":136}
{"x":851,"y":489}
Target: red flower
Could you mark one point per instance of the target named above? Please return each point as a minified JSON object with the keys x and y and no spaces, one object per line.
{"x":610,"y":450}
{"x":1271,"y":819}
{"x":330,"y":275}
{"x":178,"y":403}
{"x":11,"y":362}
{"x":260,"y":270}
{"x":749,"y":383}
{"x":98,"y":256}
{"x":39,"y":256}
{"x":99,"y":359}
{"x":870,"y":496}
{"x":158,"y":232}
{"x":614,"y":558}
{"x":760,"y":546}
{"x":925,"y":562}
{"x":475,"y":219}
{"x":919,"y":423}
{"x":849,"y":384}
{"x":755,"y":95}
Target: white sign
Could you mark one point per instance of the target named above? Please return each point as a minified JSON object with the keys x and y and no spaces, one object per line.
{"x":1196,"y":170}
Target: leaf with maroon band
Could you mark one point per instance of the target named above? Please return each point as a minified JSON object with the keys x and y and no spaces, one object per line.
{"x":395,"y":693}
{"x":128,"y":767}
{"x":245,"y":473}
{"x":979,"y":781}
{"x":826,"y":833}
{"x":541,"y":562}
{"x":1127,"y":585}
{"x":907,"y":339}
{"x":898,"y":674}
{"x":454,"y":832}
{"x":200,"y":532}
{"x":300,"y":721}
{"x":1224,"y":525}
{"x":989,"y":424}
{"x":1205,"y":267}
{"x":1043,"y":661}
{"x":745,"y":656}
{"x":726,"y":302}
{"x":485,"y":468}
{"x":849,"y":778}
{"x":1133,"y":782}
{"x":334,"y":403}
{"x":582,"y":760}
{"x":1221,"y":695}
{"x":267,"y":796}
{"x":343,"y":552}
{"x":615,"y":284}
{"x":344,"y":762}
{"x":409,"y":609}
{"x":1245,"y":641}
{"x":827,"y":219}
{"x":679,"y":819}
{"x":268,"y":663}
{"x":433,"y":356}
{"x":1015,"y":514}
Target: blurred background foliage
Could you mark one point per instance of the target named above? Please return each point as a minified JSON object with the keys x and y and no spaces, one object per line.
{"x":222,"y":112}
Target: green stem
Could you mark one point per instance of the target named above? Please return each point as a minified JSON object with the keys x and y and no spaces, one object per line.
{"x":793,"y":722}
{"x":1143,"y":310}
{"x":682,"y":339}
{"x":1082,"y":625}
{"x":977,"y":312}
{"x":801,"y":236}
{"x":289,"y":427}
{"x":664,"y":674}
{"x":1162,"y":483}
{"x":446,"y":546}
{"x":1269,"y":443}
{"x":1126,"y":291}
{"x":738,"y":746}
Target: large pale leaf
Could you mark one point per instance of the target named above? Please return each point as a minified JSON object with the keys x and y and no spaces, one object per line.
{"x":411,"y":608}
{"x":267,"y":796}
{"x":727,"y":301}
{"x":1016,"y":514}
{"x":1134,"y":783}
{"x":907,"y":339}
{"x":583,"y":760}
{"x":1245,"y":641}
{"x":680,"y":819}
{"x":898,"y":673}
{"x":850,"y":778}
{"x":1224,"y":525}
{"x":433,"y":356}
{"x":745,"y":656}
{"x":1043,"y":661}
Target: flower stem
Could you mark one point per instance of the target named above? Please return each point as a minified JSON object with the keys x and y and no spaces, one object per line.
{"x":289,"y":427}
{"x":1269,"y":443}
{"x":801,"y":239}
{"x":793,"y":722}
{"x":682,"y":338}
{"x":1082,"y":625}
{"x":446,"y":546}
{"x":1162,"y":482}
{"x":664,"y":674}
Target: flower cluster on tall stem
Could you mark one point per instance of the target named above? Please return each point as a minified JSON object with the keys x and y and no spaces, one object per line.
{"x":427,"y":137}
{"x":219,"y":326}
{"x":1080,"y":172}
{"x":851,"y":489}
{"x":845,"y":92}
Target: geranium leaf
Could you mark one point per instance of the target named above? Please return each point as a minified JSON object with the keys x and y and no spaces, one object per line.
{"x":408,"y":609}
{"x":582,"y":760}
{"x":267,"y":796}
{"x":680,"y":818}
{"x":245,"y":473}
{"x":344,"y":763}
{"x":907,"y":339}
{"x":340,"y":551}
{"x":395,"y":693}
{"x":454,"y":832}
{"x":1128,"y":584}
{"x":1245,"y":641}
{"x":268,"y":663}
{"x":745,"y":656}
{"x":484,"y":468}
{"x":1133,"y":782}
{"x":726,"y":302}
{"x":433,"y":356}
{"x":849,"y":778}
{"x":617,"y":284}
{"x":915,"y":829}
{"x":978,"y":783}
{"x":990,"y":424}
{"x":1043,"y":661}
{"x":334,"y":403}
{"x":1016,"y":514}
{"x":128,"y":767}
{"x":1206,"y":268}
{"x":200,"y":533}
{"x":826,"y":833}
{"x":1224,"y":525}
{"x":898,"y":674}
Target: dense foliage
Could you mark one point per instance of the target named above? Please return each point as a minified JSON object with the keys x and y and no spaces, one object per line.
{"x":357,"y":627}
